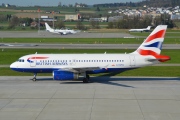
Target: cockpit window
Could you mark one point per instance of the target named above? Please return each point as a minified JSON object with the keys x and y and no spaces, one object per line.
{"x":21,"y":60}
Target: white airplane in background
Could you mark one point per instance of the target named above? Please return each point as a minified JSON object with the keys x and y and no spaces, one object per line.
{"x":70,"y":66}
{"x":71,"y":31}
{"x":141,"y":30}
{"x":60,"y":31}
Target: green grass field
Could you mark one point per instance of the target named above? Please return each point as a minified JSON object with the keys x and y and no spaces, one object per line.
{"x":10,"y":55}
{"x":84,"y":40}
{"x":162,"y":71}
{"x":168,"y":34}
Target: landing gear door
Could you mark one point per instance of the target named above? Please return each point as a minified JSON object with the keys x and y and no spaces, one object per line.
{"x":132,"y":60}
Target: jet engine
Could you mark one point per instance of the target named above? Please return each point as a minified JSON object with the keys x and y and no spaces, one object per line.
{"x":64,"y":75}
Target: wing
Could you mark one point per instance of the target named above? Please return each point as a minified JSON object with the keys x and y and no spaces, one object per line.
{"x":80,"y":69}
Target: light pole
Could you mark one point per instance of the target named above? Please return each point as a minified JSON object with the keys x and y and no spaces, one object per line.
{"x":53,"y":18}
{"x":39,"y":18}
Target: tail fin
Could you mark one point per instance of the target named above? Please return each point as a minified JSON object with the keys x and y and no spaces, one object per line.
{"x":152,"y":45}
{"x":48,"y":28}
{"x":149,"y":27}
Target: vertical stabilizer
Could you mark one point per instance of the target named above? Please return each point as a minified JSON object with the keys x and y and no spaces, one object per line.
{"x":152,"y":45}
{"x":149,"y":27}
{"x":48,"y":28}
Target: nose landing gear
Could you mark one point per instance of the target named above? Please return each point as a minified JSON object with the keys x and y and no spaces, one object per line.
{"x":34,"y":78}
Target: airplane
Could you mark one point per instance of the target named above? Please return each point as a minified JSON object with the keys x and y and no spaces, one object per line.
{"x":60,"y":31}
{"x":141,"y":30}
{"x":71,"y":66}
{"x":57,"y":31}
{"x":71,"y":31}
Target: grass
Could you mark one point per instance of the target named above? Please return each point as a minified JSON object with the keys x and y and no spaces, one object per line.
{"x":162,"y":71}
{"x":84,"y":40}
{"x":145,"y":34}
{"x":10,"y":55}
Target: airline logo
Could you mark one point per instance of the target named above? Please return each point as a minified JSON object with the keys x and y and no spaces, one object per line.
{"x":30,"y":59}
{"x":153,"y":45}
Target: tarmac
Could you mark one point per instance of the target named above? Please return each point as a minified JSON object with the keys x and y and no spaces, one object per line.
{"x":104,"y":98}
{"x":45,"y":34}
{"x":81,"y":46}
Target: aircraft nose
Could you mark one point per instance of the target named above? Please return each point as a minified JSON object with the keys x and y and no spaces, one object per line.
{"x":13,"y":66}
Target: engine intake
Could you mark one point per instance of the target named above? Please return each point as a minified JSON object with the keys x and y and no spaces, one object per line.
{"x":64,"y":75}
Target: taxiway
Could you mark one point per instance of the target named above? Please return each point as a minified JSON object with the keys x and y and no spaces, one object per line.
{"x":104,"y":98}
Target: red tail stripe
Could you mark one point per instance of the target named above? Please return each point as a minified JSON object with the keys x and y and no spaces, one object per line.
{"x":159,"y":34}
{"x":161,"y":58}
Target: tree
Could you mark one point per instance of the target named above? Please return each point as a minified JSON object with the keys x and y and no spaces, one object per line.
{"x":97,"y":9}
{"x":14,"y":22}
{"x":94,"y":24}
{"x":80,"y":26}
{"x":110,"y":25}
{"x":3,"y":18}
{"x":60,"y":24}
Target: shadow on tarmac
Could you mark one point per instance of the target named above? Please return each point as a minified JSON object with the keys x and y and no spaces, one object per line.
{"x":112,"y":80}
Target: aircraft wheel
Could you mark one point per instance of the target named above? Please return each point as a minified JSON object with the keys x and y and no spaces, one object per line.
{"x":34,"y":79}
{"x":85,"y":80}
{"x":88,"y":77}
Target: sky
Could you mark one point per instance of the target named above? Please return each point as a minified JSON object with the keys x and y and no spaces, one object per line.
{"x":55,"y":2}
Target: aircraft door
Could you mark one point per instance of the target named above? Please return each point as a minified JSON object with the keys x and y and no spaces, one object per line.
{"x":33,"y":63}
{"x":73,"y":62}
{"x":132,"y":60}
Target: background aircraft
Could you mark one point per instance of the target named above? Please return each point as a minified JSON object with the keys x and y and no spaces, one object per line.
{"x":141,"y":30}
{"x":70,"y":66}
{"x":60,"y":31}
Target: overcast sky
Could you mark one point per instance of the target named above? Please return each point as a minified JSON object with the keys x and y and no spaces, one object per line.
{"x":55,"y":2}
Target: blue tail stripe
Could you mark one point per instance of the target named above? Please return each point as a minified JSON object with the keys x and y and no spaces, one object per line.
{"x":156,"y":45}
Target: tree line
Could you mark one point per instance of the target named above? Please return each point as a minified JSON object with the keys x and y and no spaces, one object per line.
{"x":151,"y":3}
{"x":125,"y":23}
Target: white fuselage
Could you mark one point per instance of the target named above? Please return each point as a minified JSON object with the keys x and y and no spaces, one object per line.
{"x":39,"y":63}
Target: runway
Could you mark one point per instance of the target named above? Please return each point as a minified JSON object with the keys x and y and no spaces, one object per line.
{"x":44,"y":34}
{"x":81,"y":46}
{"x":104,"y":98}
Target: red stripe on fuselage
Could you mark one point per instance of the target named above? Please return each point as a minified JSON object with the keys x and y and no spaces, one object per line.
{"x":159,"y":34}
{"x":38,"y":57}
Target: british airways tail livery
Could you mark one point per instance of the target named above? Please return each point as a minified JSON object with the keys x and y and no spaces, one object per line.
{"x":70,"y":66}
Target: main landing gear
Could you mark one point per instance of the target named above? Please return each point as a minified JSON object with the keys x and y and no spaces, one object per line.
{"x":86,"y":79}
{"x":34,"y":78}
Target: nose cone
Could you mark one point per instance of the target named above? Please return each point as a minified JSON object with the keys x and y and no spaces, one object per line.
{"x":14,"y":66}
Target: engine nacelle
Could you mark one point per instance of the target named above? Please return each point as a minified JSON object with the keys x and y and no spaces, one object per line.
{"x":64,"y":75}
